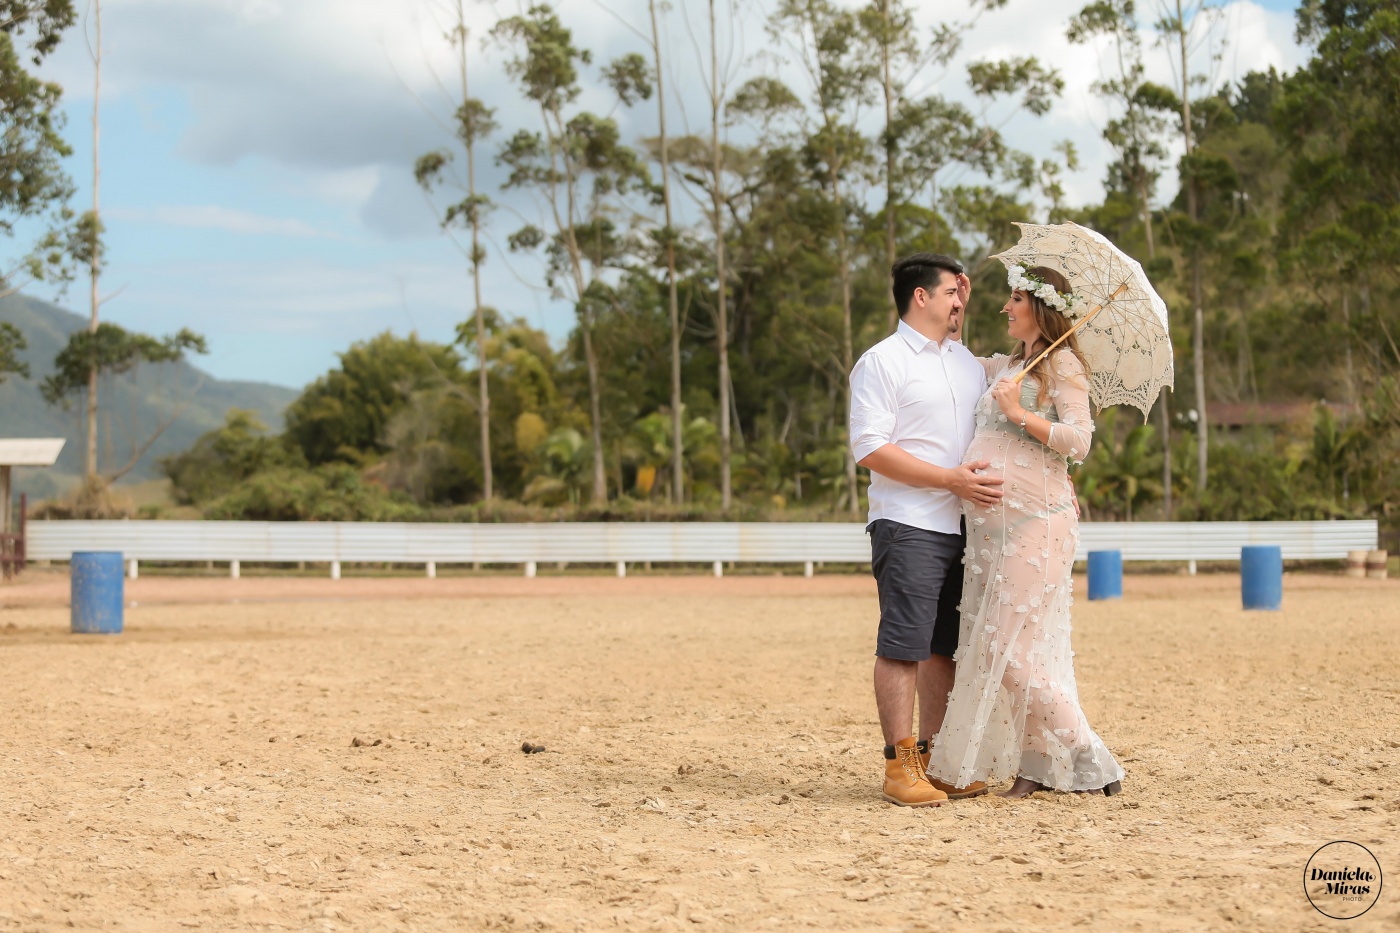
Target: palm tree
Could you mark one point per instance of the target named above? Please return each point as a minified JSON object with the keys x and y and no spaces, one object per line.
{"x":1121,"y":472}
{"x":567,"y":461}
{"x":1332,"y":451}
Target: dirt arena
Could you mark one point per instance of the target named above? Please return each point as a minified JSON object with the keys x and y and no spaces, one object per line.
{"x":712,"y":761}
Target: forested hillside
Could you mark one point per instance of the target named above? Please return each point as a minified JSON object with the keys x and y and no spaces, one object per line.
{"x":138,"y":402}
{"x":1265,"y":210}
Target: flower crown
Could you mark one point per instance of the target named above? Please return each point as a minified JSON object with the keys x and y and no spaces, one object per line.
{"x":1021,"y":280}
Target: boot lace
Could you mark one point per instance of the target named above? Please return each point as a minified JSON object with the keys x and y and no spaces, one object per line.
{"x":909,"y":761}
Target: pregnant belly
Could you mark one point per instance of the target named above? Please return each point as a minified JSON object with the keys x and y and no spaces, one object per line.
{"x":1029,"y":470}
{"x":991,"y":448}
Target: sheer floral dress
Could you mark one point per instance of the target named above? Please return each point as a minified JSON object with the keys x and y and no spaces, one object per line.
{"x":1014,"y":709}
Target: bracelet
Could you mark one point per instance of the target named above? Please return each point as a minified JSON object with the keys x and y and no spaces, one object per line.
{"x":1024,"y":415}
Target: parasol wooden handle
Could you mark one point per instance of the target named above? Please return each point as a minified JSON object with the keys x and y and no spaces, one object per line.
{"x":1066,"y":335}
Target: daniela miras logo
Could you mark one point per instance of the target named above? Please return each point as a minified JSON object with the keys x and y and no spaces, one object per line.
{"x":1342,"y":880}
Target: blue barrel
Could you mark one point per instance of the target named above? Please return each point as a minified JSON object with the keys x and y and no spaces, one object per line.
{"x":97,"y":595}
{"x":1261,"y":576}
{"x":1105,"y":574}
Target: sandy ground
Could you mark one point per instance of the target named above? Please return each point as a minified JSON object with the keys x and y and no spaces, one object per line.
{"x":712,"y":761}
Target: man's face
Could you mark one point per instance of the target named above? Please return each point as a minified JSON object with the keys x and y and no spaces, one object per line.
{"x":943,"y":304}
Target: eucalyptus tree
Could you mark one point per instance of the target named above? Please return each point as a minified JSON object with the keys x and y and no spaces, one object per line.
{"x":1185,"y":26}
{"x":93,"y":250}
{"x":825,"y":41}
{"x":1043,"y":175}
{"x":110,"y":350}
{"x":1024,"y":83}
{"x":947,"y":135}
{"x":34,"y":186}
{"x":579,"y":168}
{"x":918,"y":127}
{"x":1337,"y":118}
{"x":668,"y":241}
{"x":986,"y":193}
{"x":888,"y":28}
{"x":717,"y":86}
{"x":927,"y":135}
{"x":666,"y":237}
{"x":472,"y":122}
{"x":1136,"y":129}
{"x":710,"y":167}
{"x":1136,"y":133}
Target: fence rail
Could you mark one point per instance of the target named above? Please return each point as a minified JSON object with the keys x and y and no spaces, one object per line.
{"x":630,"y":542}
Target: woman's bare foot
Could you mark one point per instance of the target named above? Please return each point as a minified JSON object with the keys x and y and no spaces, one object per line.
{"x":1023,"y":787}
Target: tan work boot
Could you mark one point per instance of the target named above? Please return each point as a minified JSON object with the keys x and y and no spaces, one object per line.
{"x":975,"y":789}
{"x":905,"y":783}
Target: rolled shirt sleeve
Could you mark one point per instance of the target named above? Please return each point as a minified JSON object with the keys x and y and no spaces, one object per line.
{"x":874,"y":405}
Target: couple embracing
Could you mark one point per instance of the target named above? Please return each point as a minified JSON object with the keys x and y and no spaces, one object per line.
{"x":973,"y":527}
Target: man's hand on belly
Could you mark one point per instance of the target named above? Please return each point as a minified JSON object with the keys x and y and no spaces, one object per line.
{"x":964,"y":482}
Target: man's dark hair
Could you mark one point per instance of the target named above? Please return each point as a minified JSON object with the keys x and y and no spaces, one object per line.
{"x":920,"y":270}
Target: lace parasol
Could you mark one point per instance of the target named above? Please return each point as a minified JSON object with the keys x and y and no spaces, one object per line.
{"x":1122,"y":331}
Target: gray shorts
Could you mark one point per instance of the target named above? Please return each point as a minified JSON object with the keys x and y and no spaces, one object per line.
{"x":919,"y":576}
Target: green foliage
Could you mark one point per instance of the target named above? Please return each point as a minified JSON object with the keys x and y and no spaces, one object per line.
{"x":11,"y":342}
{"x":333,"y":492}
{"x":1286,"y":223}
{"x":566,"y":459}
{"x":1335,"y":449}
{"x":647,"y":449}
{"x":223,"y":458}
{"x":32,"y":148}
{"x":1337,"y":115}
{"x":34,"y":187}
{"x":630,"y":78}
{"x":109,"y":351}
{"x":342,"y":416}
{"x":1037,"y":85}
{"x":1123,"y":470}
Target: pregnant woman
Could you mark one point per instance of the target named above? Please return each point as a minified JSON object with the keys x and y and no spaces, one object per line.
{"x":1014,"y":708}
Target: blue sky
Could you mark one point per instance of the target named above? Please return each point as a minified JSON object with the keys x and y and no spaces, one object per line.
{"x":256,"y":160}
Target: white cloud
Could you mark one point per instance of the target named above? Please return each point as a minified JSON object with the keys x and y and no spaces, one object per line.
{"x":214,"y":217}
{"x":332,"y":87}
{"x":327,"y":103}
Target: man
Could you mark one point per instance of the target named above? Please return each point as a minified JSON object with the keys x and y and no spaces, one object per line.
{"x":913,"y":398}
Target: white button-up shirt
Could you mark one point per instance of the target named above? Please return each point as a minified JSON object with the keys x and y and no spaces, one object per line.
{"x":922,"y":397}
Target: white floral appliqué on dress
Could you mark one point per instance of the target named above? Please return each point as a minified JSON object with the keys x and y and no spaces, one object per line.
{"x":1014,"y":709}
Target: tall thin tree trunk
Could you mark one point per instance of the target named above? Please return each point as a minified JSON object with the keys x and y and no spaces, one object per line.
{"x":1245,"y":357}
{"x":843,"y":260}
{"x":585,"y":319}
{"x":94,"y":269}
{"x":483,"y":384}
{"x":1198,"y":353}
{"x":1147,"y":220}
{"x":933,"y":215}
{"x":1198,"y":337}
{"x":673,"y":305}
{"x":1164,"y":416}
{"x":721,"y":278}
{"x":595,"y":410}
{"x":1350,"y":364}
{"x":888,"y":84}
{"x":1163,"y":405}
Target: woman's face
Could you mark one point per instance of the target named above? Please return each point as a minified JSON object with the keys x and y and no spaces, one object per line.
{"x":1020,"y":318}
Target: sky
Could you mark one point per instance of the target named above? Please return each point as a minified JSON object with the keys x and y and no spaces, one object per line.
{"x":257,"y":155}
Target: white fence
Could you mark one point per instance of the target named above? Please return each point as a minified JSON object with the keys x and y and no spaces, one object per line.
{"x":621,"y":543}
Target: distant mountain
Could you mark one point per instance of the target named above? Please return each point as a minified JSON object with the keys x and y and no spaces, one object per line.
{"x":132,"y":406}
